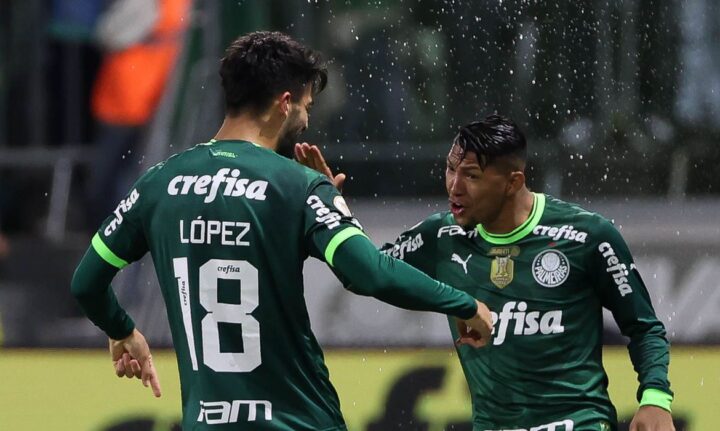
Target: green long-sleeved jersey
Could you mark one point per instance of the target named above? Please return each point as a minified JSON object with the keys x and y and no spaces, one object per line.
{"x":546,"y":283}
{"x":229,"y":225}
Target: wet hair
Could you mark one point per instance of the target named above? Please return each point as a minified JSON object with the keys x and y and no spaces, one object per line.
{"x":260,"y":65}
{"x":493,"y":139}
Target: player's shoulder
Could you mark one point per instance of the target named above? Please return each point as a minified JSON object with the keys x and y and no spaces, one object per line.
{"x":312,"y":177}
{"x":561,"y":212}
{"x":169,"y":165}
{"x":435,"y":223}
{"x":150,"y":177}
{"x":276,"y":167}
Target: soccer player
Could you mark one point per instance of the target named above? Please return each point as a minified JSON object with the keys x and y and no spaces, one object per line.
{"x":547,"y":268}
{"x":228,"y":224}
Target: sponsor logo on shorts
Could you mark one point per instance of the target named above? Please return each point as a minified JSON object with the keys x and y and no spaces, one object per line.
{"x":550,"y":268}
{"x":228,"y":412}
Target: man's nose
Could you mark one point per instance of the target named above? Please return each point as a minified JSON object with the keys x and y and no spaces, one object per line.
{"x":456,"y":186}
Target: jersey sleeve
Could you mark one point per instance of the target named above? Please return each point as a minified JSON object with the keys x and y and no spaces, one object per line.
{"x":328,"y":221}
{"x":119,"y":241}
{"x":415,"y":246}
{"x":121,"y":238}
{"x":623,"y":292}
{"x":366,"y":271}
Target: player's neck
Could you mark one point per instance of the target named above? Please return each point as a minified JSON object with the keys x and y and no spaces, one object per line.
{"x":514,"y":213}
{"x":256,"y":129}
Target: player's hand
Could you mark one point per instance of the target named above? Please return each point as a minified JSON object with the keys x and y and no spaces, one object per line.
{"x":652,"y":418}
{"x":131,"y":358}
{"x":476,"y":332}
{"x":311,"y":156}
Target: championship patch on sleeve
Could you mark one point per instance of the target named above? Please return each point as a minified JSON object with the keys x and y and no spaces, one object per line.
{"x":341,"y":205}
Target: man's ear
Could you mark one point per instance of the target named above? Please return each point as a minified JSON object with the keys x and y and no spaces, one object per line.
{"x":284,"y":103}
{"x":517,"y":181}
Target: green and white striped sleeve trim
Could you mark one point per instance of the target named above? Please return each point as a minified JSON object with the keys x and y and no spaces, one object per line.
{"x":656,"y":397}
{"x":107,"y":254}
{"x":338,"y":239}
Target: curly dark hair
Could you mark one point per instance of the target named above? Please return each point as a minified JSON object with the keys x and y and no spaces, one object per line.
{"x":260,"y":65}
{"x":495,"y":137}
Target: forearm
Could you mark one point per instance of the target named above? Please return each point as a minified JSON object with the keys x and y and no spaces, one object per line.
{"x":650,"y":355}
{"x":91,"y":288}
{"x":366,"y":271}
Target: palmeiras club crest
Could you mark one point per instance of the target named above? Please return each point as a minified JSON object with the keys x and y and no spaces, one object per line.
{"x":550,"y":268}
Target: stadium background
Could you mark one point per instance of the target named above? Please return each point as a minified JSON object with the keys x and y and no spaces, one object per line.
{"x":620,"y":100}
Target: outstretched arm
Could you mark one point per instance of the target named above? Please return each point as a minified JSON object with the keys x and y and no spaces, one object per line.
{"x":366,"y":271}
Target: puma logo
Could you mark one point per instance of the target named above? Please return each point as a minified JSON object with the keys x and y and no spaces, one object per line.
{"x":457,"y":259}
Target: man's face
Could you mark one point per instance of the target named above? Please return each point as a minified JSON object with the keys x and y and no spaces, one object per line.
{"x":476,"y":196}
{"x":295,"y":123}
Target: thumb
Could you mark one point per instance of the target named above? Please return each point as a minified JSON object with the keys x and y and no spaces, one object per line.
{"x":339,"y":181}
{"x":462,"y":330}
{"x":117,"y":349}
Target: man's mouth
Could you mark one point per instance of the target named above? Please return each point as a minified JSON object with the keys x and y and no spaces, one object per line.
{"x":456,"y":209}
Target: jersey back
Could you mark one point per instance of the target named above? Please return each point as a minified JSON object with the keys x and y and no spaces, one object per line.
{"x":228,"y":225}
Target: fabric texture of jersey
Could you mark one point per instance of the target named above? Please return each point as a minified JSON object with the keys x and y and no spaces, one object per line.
{"x":546,"y":284}
{"x":228,"y":225}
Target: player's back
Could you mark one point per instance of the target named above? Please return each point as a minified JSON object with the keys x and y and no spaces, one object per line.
{"x":227,"y":227}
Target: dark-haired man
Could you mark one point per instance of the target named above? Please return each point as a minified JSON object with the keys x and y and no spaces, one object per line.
{"x":546,"y":268}
{"x":228,"y":224}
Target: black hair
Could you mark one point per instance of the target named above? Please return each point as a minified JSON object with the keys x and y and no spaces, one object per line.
{"x":492,"y":138}
{"x":260,"y":65}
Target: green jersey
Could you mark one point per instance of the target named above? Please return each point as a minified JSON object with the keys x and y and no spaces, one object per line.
{"x":228,"y":225}
{"x":546,"y":283}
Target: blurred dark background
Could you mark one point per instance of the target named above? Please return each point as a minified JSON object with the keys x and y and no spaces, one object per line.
{"x":620,"y":101}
